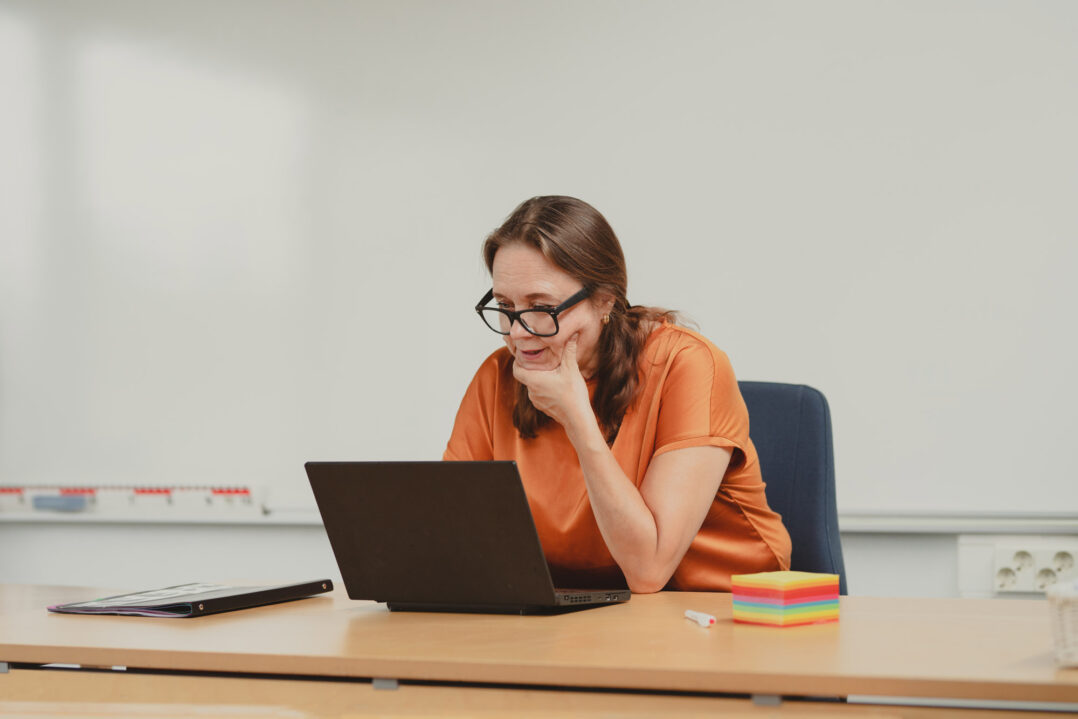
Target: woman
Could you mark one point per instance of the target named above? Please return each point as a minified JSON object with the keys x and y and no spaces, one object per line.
{"x":629,"y":431}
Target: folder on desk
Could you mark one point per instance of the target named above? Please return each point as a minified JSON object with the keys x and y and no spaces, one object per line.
{"x":193,"y":600}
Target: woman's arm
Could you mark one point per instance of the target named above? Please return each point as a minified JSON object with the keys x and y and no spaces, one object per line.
{"x":648,"y":530}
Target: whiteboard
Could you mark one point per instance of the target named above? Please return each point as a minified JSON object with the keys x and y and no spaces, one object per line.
{"x":237,"y":236}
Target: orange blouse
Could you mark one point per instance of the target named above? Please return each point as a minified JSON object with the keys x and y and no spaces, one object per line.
{"x":688,"y":398}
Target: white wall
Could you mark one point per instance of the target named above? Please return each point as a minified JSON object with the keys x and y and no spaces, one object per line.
{"x":239,"y":235}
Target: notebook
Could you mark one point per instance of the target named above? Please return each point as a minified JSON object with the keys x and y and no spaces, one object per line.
{"x":440,"y":536}
{"x":193,"y":600}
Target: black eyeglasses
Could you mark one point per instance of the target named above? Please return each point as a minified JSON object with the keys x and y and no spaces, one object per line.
{"x":540,"y":322}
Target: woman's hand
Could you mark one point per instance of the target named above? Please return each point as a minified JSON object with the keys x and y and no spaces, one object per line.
{"x":561,"y":393}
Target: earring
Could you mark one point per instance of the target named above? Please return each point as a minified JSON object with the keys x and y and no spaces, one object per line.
{"x":606,"y":319}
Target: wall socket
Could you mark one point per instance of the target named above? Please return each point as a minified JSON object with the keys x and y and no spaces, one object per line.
{"x":1035,"y":565}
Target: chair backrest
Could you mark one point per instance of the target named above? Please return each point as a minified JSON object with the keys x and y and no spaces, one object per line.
{"x":790,"y":425}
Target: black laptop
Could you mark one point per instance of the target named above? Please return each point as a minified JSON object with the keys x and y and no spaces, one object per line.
{"x":440,"y":537}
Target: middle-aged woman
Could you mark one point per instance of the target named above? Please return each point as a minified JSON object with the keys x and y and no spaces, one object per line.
{"x":629,"y":431}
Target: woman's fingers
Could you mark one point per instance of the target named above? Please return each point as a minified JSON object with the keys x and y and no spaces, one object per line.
{"x":558,"y":392}
{"x":568,"y":355}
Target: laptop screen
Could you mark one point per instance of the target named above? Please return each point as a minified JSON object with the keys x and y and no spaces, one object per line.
{"x":432,"y":532}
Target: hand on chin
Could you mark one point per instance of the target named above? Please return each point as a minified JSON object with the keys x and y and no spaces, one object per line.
{"x":555,"y":385}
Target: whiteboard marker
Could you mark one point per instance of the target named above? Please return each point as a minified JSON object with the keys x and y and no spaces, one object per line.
{"x":704,"y":620}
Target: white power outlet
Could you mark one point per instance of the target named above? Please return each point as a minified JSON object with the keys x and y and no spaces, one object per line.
{"x":1034,"y":565}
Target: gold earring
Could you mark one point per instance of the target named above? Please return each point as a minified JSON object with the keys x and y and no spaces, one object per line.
{"x":606,"y":319}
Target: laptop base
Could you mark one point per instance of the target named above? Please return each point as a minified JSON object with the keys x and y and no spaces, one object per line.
{"x":490,"y":608}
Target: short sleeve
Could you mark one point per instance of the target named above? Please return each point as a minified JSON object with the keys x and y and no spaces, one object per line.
{"x":701,"y":404}
{"x":473,"y":434}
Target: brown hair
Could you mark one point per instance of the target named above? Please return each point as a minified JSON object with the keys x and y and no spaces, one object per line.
{"x":578,"y":240}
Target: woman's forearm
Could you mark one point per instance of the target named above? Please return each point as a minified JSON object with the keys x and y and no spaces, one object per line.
{"x":625,"y":521}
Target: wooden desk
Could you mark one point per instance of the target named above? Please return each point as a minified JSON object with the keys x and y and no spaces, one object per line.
{"x":52,"y":694}
{"x":959,"y":649}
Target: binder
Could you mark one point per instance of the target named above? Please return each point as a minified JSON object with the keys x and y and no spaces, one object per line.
{"x":194,"y":600}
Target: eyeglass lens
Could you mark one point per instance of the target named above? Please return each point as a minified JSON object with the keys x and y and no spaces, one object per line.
{"x":537,"y":322}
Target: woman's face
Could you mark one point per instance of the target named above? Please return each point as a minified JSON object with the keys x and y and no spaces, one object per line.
{"x":525,"y":279}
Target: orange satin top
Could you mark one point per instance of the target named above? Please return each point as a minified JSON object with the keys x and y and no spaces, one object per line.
{"x":688,"y":398}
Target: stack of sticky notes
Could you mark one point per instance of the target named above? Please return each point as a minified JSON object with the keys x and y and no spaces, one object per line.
{"x":785,"y":599}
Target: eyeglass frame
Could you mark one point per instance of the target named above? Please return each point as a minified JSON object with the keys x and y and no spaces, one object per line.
{"x":514,"y":316}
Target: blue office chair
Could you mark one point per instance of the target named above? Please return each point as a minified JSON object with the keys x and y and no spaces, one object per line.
{"x":790,"y":425}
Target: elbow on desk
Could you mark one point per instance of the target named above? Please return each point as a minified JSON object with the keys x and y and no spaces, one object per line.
{"x":648,"y":588}
{"x":647,"y":575}
{"x":646,"y":583}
